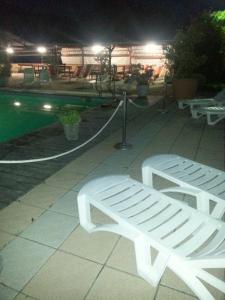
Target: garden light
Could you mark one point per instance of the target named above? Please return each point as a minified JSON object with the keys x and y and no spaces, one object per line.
{"x":9,"y":50}
{"x":47,"y":106}
{"x":97,"y":48}
{"x":17,"y":103}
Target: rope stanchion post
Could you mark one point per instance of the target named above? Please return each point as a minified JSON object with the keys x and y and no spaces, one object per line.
{"x":124,"y":145}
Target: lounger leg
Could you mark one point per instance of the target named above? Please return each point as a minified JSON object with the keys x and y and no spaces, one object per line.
{"x":147,"y":176}
{"x":216,"y":119}
{"x":195,"y":114}
{"x":190,"y":279}
{"x":209,"y":119}
{"x":85,"y":213}
{"x":152,"y":273}
{"x":203,"y":203}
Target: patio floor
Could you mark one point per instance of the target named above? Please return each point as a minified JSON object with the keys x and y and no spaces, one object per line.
{"x":45,"y":254}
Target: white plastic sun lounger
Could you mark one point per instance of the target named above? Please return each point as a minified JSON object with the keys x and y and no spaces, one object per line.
{"x":187,"y":240}
{"x":205,"y":183}
{"x":218,"y":100}
{"x":214,"y":114}
{"x":182,"y":104}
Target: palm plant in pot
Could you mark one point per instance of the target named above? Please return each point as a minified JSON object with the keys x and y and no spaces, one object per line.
{"x":70,"y":120}
{"x":142,"y":79}
{"x":183,"y":61}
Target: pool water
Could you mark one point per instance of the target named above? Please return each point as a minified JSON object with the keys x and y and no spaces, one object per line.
{"x":22,"y":113}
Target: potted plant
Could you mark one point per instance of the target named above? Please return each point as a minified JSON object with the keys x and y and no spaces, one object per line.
{"x":183,"y":61}
{"x":70,"y":119}
{"x":141,"y":78}
{"x":143,"y":85}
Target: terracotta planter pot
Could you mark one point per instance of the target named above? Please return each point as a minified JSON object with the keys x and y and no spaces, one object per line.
{"x":184,"y":88}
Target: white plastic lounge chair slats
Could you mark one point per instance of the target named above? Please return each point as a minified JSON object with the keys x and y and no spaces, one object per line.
{"x":183,"y":232}
{"x":197,"y":101}
{"x":207,"y":184}
{"x":132,"y":203}
{"x":149,"y":218}
{"x":214,"y":114}
{"x":215,"y":244}
{"x":172,"y":225}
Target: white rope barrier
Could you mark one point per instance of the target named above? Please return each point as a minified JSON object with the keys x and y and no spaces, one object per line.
{"x":67,"y":152}
{"x":139,"y":106}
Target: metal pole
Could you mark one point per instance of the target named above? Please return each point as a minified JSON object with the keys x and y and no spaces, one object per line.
{"x":124,"y":145}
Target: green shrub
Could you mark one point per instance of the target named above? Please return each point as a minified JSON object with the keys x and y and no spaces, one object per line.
{"x":199,"y":49}
{"x":69,"y":116}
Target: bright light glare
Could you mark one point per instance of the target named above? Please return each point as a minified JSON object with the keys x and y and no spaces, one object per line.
{"x":9,"y":50}
{"x":47,"y":106}
{"x":17,"y":103}
{"x":41,"y":49}
{"x":97,"y":48}
{"x":152,"y":48}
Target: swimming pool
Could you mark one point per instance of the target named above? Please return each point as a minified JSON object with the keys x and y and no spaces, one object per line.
{"x":22,"y":113}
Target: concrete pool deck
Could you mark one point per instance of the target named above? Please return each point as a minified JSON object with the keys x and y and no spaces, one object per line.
{"x":45,"y":254}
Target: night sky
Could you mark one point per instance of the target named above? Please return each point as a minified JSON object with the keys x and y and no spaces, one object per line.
{"x":69,"y":21}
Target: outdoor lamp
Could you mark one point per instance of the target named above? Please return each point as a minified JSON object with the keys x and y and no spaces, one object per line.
{"x":9,"y":50}
{"x":41,"y":49}
{"x":97,"y":48}
{"x":152,"y":48}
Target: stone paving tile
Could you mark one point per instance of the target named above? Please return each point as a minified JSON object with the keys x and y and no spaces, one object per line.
{"x":80,"y":166}
{"x":50,"y":229}
{"x":64,"y":276}
{"x":171,"y":294}
{"x":5,"y":238}
{"x":112,"y":284}
{"x":21,"y":260}
{"x":63,"y":179}
{"x":96,"y":247}
{"x":123,"y":257}
{"x":7,"y":293}
{"x":171,"y":280}
{"x":212,"y":163}
{"x":121,"y":159}
{"x":210,"y":155}
{"x":102,"y":170}
{"x":15,"y":217}
{"x":67,"y":204}
{"x":21,"y":296}
{"x":42,"y":195}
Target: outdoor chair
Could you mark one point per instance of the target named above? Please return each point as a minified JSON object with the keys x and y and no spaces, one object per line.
{"x":44,"y":77}
{"x":207,"y":184}
{"x":214,"y":114}
{"x":29,"y":76}
{"x":187,"y":240}
{"x":218,"y":100}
